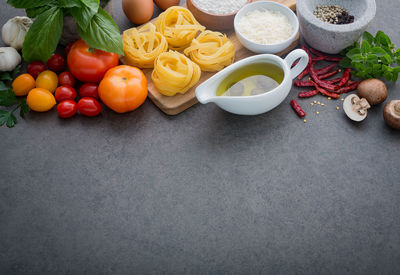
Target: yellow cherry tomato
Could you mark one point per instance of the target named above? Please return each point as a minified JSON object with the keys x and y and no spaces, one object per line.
{"x":40,"y":100}
{"x":47,"y":80}
{"x":23,"y":84}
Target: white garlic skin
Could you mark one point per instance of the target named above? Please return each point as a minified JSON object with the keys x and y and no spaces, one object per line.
{"x":9,"y":59}
{"x":14,"y":31}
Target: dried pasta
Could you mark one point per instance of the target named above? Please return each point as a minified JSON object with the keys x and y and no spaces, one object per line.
{"x":179,"y":27}
{"x":143,"y":45}
{"x":174,"y":73}
{"x":212,"y":51}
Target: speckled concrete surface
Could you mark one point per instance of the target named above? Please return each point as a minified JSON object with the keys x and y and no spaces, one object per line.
{"x":202,"y":192}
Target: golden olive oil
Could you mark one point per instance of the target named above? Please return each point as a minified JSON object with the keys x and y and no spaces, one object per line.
{"x":252,"y":79}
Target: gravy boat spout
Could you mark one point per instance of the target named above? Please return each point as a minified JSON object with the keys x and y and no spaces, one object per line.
{"x":254,"y":104}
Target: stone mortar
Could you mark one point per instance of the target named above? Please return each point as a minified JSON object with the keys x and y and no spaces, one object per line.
{"x":330,"y":38}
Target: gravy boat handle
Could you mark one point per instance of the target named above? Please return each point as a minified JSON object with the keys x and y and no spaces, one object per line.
{"x":292,"y":57}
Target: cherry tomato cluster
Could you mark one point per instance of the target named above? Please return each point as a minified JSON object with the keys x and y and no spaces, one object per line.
{"x":63,"y":87}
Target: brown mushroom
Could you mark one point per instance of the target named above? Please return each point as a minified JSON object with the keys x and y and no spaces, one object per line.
{"x":391,"y":114}
{"x":356,"y":108}
{"x":373,"y":90}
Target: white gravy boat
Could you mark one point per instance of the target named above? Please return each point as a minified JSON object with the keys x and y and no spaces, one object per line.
{"x":255,"y":104}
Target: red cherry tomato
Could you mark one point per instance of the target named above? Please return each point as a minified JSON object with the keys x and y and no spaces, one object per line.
{"x":68,"y":48}
{"x":66,"y":78}
{"x":90,"y":90}
{"x":64,"y":93}
{"x":89,"y":106}
{"x":88,"y":64}
{"x":35,"y":68}
{"x":56,"y":63}
{"x":67,"y":108}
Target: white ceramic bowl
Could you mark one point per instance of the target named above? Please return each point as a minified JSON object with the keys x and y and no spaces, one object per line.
{"x":264,"y":5}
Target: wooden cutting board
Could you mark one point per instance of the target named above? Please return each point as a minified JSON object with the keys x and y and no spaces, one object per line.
{"x":173,"y":105}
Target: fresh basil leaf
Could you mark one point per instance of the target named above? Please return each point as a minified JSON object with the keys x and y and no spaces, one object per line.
{"x":3,"y":117}
{"x":368,"y":37}
{"x":24,"y":108}
{"x":84,"y":14}
{"x":5,"y":76}
{"x":386,"y":59}
{"x":372,"y":58}
{"x":70,"y":3}
{"x":382,"y":38}
{"x":379,"y":52}
{"x":102,"y":33}
{"x":34,"y":12}
{"x":395,"y":76}
{"x":353,"y":52}
{"x":358,"y":66}
{"x":27,"y":4}
{"x":43,"y":36}
{"x":357,"y":58}
{"x":365,"y":47}
{"x":3,"y":87}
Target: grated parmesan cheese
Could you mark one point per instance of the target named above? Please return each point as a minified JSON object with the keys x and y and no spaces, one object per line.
{"x":220,"y":7}
{"x":265,"y":27}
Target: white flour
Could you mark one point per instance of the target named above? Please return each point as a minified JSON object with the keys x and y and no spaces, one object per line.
{"x":220,"y":6}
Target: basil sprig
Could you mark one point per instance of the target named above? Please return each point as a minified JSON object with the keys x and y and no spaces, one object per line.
{"x":376,"y":57}
{"x":95,"y":26}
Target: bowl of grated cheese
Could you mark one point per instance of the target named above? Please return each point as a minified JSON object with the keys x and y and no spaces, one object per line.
{"x":216,"y":14}
{"x":266,"y":27}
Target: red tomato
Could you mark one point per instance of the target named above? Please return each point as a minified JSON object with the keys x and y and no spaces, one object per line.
{"x":35,"y":68}
{"x":64,"y":93}
{"x":66,"y":78}
{"x":89,"y":106}
{"x":90,"y":90}
{"x":67,"y":108}
{"x":56,"y":63}
{"x":88,"y":64}
{"x":68,"y":48}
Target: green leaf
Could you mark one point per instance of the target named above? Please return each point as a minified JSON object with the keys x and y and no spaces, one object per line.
{"x":24,"y":108}
{"x":358,"y":58}
{"x":27,"y":4}
{"x":365,"y":47}
{"x":368,"y":37}
{"x":379,"y":52}
{"x":103,"y":33}
{"x":386,"y":59}
{"x":395,"y":76}
{"x":3,"y":117}
{"x":345,"y":63}
{"x":372,"y":58}
{"x":69,"y":3}
{"x":11,"y":121}
{"x":34,"y":12}
{"x":5,"y":76}
{"x":84,"y":14}
{"x":43,"y":36}
{"x":353,"y":52}
{"x":8,"y":98}
{"x":382,"y":38}
{"x":3,"y":86}
{"x":358,"y":66}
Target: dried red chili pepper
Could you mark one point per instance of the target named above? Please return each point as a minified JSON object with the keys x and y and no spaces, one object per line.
{"x":326,"y":69}
{"x":348,"y":88}
{"x":327,"y":75}
{"x":317,"y":53}
{"x":327,"y":93}
{"x":333,"y":59}
{"x":333,"y":81}
{"x":321,"y":83}
{"x":296,"y":107}
{"x":306,"y":83}
{"x":303,"y":73}
{"x":308,"y":53}
{"x":308,"y":93}
{"x":345,"y":77}
{"x":318,"y":58}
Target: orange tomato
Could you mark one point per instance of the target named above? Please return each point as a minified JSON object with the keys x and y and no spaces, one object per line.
{"x":23,"y":84}
{"x":40,"y":100}
{"x":123,"y":88}
{"x":47,"y":80}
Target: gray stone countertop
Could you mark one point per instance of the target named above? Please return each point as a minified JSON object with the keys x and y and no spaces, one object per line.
{"x":202,"y":192}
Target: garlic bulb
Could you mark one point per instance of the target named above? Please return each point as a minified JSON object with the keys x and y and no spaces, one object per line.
{"x":9,"y":59}
{"x":14,"y":31}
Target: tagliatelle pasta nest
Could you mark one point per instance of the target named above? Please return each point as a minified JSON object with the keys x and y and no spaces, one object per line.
{"x":143,"y":45}
{"x":174,"y":73}
{"x":212,"y":51}
{"x":179,"y":27}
